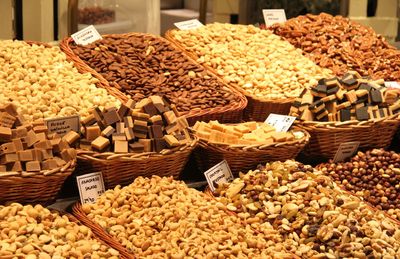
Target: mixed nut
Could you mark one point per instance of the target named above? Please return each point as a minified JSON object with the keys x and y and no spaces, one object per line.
{"x":314,"y":217}
{"x":35,"y":232}
{"x":161,"y":217}
{"x":340,"y":44}
{"x":373,"y":175}
{"x":256,"y":60}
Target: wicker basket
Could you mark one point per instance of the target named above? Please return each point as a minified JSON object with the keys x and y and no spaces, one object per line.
{"x":230,"y":113}
{"x":243,"y":158}
{"x":258,"y":108}
{"x":42,"y":187}
{"x":99,"y":232}
{"x":122,"y":169}
{"x":326,"y":137}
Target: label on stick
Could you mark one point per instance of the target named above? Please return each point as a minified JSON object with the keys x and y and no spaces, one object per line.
{"x":63,"y":125}
{"x":220,"y":173}
{"x":189,"y":24}
{"x":346,"y":150}
{"x":272,"y":16}
{"x":86,"y":35}
{"x":392,"y":84}
{"x":281,"y":123}
{"x":90,"y":187}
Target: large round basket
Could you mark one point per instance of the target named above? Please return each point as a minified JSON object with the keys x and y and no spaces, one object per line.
{"x":326,"y":137}
{"x":230,"y":113}
{"x":242,"y":158}
{"x":39,"y":187}
{"x":258,"y":108}
{"x":122,"y":169}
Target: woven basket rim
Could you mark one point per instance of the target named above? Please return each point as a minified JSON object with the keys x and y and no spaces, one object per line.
{"x":255,"y":147}
{"x":67,"y":169}
{"x":309,"y":125}
{"x":168,"y":36}
{"x":126,"y":157}
{"x":65,"y":47}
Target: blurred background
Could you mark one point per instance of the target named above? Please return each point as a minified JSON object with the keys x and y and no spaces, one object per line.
{"x":52,"y":20}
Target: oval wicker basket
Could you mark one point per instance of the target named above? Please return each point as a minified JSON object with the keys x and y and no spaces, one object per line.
{"x":229,"y":113}
{"x":326,"y":137}
{"x":122,"y":169}
{"x":258,"y":108}
{"x":242,"y":158}
{"x":42,"y":187}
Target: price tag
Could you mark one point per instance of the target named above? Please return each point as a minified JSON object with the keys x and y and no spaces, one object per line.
{"x":281,"y":123}
{"x":90,"y":187}
{"x":188,"y":25}
{"x":392,"y":84}
{"x":272,"y":16}
{"x":63,"y":125}
{"x":86,"y":35}
{"x":346,"y":150}
{"x":220,"y":173}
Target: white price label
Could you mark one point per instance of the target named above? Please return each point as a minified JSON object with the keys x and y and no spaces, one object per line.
{"x":392,"y":84}
{"x":63,"y":125}
{"x":346,"y":150}
{"x":188,"y":25}
{"x":220,"y":173}
{"x":90,"y":187}
{"x":281,"y":123}
{"x":272,"y":16}
{"x":86,"y":35}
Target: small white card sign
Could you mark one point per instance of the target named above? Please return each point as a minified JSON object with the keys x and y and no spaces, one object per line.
{"x":220,"y":173}
{"x":346,"y":150}
{"x":63,"y":125}
{"x":86,"y":35}
{"x":392,"y":84}
{"x":281,"y":123}
{"x":189,"y":24}
{"x":90,"y":187}
{"x":272,"y":16}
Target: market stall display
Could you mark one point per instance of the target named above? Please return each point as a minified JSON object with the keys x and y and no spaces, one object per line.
{"x":268,"y":70}
{"x":31,"y":159}
{"x":138,"y":65}
{"x":312,"y":214}
{"x":36,"y":232}
{"x":347,"y":109}
{"x":373,"y":175}
{"x":161,"y":217}
{"x":43,"y":84}
{"x":138,"y":139}
{"x":245,"y":145}
{"x":340,"y":44}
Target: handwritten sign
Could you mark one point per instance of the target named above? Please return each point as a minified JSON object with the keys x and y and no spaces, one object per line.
{"x":220,"y":173}
{"x":90,"y":187}
{"x":346,"y":150}
{"x":188,"y":25}
{"x":272,"y":16}
{"x":281,"y":123}
{"x":86,"y":36}
{"x":63,"y":125}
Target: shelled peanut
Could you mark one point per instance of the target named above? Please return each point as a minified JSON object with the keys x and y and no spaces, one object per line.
{"x":43,"y":84}
{"x":247,"y":133}
{"x":340,"y":44}
{"x":314,"y":217}
{"x":256,"y":60}
{"x":373,"y":175}
{"x":35,"y":232}
{"x":160,"y":217}
{"x":141,"y":65}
